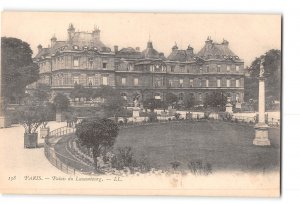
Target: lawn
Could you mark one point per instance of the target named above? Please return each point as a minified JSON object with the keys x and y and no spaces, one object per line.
{"x":226,"y":146}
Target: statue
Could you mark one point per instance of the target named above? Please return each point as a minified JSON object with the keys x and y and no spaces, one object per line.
{"x":261,"y":68}
{"x":136,"y":101}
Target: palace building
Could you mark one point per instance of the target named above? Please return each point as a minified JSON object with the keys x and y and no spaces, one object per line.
{"x":84,"y":59}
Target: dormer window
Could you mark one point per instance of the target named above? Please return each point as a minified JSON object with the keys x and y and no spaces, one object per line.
{"x":85,"y":47}
{"x":76,"y":47}
{"x":94,"y":48}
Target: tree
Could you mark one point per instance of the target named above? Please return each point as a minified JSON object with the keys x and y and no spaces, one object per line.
{"x":189,"y":101}
{"x":41,"y":94}
{"x":18,"y":67}
{"x":31,"y":116}
{"x":152,"y":104}
{"x":80,"y":91}
{"x":97,"y":134}
{"x":114,"y":103}
{"x":61,"y":102}
{"x":215,"y":99}
{"x":171,"y":99}
{"x":272,"y":67}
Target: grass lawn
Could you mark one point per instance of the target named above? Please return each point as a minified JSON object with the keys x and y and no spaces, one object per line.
{"x":226,"y":146}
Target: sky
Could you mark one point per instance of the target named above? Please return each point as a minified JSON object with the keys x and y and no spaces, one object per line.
{"x":249,"y":35}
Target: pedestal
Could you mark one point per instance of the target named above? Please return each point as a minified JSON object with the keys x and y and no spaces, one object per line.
{"x":228,"y":108}
{"x":4,"y":122}
{"x":261,"y":135}
{"x":44,"y":132}
{"x":136,"y":112}
{"x":30,"y":140}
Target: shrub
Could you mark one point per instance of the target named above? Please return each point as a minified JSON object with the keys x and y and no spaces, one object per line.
{"x":124,"y":158}
{"x":175,"y":165}
{"x":177,"y":116}
{"x":152,"y":117}
{"x":206,"y":115}
{"x":198,"y":167}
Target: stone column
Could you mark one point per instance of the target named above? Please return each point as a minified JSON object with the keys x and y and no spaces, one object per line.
{"x":261,"y":128}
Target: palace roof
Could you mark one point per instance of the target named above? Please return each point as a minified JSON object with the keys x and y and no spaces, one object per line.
{"x":212,"y":50}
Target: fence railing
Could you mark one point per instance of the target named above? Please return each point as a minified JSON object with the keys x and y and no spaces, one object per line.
{"x":61,"y":131}
{"x":55,"y":158}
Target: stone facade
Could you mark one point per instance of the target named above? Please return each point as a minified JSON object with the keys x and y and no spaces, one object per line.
{"x":85,"y":60}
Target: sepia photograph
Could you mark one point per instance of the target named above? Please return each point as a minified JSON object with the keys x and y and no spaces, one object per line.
{"x":99,"y":103}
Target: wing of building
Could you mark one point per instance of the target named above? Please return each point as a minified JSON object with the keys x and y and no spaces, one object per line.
{"x":84,"y":59}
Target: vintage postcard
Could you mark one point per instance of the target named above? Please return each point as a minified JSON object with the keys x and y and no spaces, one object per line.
{"x":140,"y":104}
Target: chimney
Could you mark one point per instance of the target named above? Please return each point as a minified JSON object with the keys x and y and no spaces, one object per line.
{"x":53,"y":40}
{"x":225,"y":42}
{"x":71,"y":31}
{"x":190,"y":50}
{"x":149,"y":44}
{"x":209,"y":40}
{"x":96,"y":34}
{"x":161,"y":55}
{"x":40,"y":47}
{"x":175,"y":47}
{"x":137,"y":49}
{"x":116,"y":48}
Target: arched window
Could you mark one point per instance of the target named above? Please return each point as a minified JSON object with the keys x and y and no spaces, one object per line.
{"x":157,"y":96}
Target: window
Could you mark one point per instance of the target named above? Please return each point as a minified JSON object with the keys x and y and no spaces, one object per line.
{"x":200,"y":97}
{"x":157,"y":83}
{"x":123,"y":81}
{"x":200,"y":82}
{"x":130,"y":67}
{"x":180,"y":82}
{"x":218,"y":82}
{"x":218,"y":68}
{"x":76,"y":80}
{"x":76,"y":61}
{"x":237,"y":68}
{"x":104,"y":65}
{"x":104,"y":80}
{"x":170,"y":83}
{"x":91,"y":62}
{"x":228,"y":68}
{"x":181,"y":68}
{"x":191,"y":82}
{"x":172,"y":68}
{"x":157,"y":96}
{"x":90,"y":81}
{"x":180,"y":97}
{"x":136,"y":81}
{"x":207,"y":82}
{"x":228,"y":82}
{"x":237,"y":83}
{"x":207,"y":68}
